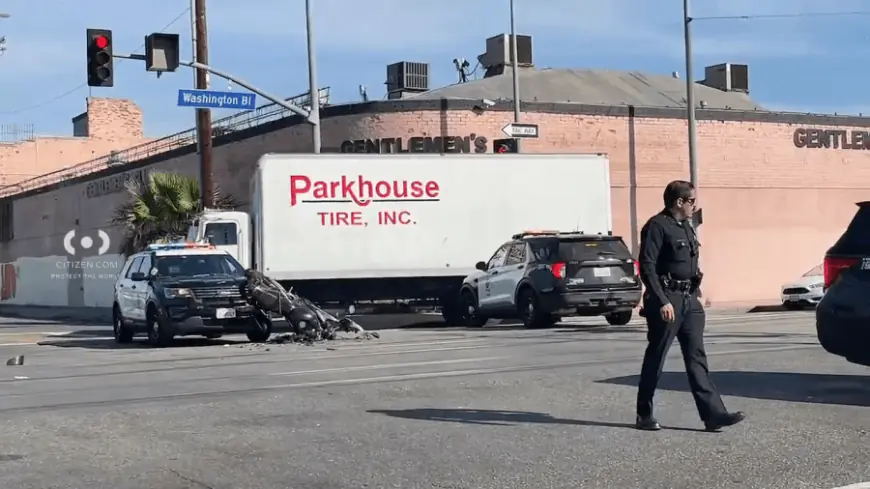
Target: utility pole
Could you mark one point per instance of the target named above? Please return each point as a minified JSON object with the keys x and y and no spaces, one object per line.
{"x":203,"y":116}
{"x":515,"y":74}
{"x":690,"y":95}
{"x":193,"y":44}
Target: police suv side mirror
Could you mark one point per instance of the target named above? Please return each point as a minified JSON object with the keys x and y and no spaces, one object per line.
{"x":137,"y":277}
{"x":481,"y":266}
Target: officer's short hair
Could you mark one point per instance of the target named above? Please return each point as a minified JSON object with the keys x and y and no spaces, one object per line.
{"x":676,"y":190}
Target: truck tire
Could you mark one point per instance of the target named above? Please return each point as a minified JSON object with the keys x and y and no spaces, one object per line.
{"x":261,"y":328}
{"x":452,"y":315}
{"x":528,"y":310}
{"x":470,"y":314}
{"x":620,"y":318}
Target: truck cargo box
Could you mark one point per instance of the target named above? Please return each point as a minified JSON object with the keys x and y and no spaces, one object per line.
{"x":349,"y":216}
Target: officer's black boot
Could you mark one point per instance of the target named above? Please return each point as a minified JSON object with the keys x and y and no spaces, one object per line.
{"x":729,"y":419}
{"x":647,"y":423}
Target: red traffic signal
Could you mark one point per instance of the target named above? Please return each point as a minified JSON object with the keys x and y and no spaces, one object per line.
{"x":505,"y":146}
{"x":100,"y":63}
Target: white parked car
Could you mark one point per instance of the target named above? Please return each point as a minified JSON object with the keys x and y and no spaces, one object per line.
{"x":806,"y":291}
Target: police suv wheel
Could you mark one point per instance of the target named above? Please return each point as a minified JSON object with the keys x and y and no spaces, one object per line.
{"x":532,"y":315}
{"x":261,"y":328}
{"x":620,"y":318}
{"x":471,"y":316}
{"x":123,"y":334}
{"x":158,"y":335}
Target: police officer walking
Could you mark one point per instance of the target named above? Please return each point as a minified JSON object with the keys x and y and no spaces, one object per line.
{"x":669,"y":252}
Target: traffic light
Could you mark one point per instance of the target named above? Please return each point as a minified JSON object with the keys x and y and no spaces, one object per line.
{"x":505,"y":146}
{"x":101,"y":71}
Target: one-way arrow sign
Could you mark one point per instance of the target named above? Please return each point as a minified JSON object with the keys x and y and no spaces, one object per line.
{"x":515,"y":130}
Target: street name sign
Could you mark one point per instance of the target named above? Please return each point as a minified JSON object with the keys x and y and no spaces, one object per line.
{"x":515,"y":130}
{"x":208,"y":99}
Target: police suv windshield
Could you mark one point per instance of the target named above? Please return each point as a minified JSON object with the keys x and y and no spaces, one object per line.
{"x":194,"y":265}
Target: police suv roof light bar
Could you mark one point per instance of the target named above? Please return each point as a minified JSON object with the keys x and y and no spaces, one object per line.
{"x":179,"y":246}
{"x":536,"y":232}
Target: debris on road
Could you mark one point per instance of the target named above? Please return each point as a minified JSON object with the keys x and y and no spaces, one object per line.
{"x":307,"y":339}
{"x":15,"y":361}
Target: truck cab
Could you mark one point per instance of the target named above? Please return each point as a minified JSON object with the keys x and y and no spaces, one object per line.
{"x":228,"y":231}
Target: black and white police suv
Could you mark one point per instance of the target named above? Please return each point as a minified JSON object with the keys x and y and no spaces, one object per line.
{"x":543,"y":276}
{"x":184,"y":289}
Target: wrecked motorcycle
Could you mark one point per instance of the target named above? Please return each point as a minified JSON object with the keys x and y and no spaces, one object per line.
{"x":308,"y":322}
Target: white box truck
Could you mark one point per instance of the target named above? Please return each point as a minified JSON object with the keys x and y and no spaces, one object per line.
{"x":369,"y":229}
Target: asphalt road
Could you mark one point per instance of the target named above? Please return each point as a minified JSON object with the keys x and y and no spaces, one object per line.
{"x":499,"y":408}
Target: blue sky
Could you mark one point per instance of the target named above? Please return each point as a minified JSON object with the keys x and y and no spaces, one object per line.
{"x":807,"y":64}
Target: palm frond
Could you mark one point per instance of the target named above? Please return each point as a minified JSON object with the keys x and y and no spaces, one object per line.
{"x":161,"y":209}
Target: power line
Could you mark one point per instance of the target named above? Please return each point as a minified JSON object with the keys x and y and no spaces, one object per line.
{"x":785,"y":16}
{"x":83,"y":85}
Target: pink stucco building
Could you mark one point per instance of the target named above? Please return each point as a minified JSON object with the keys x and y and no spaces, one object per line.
{"x":107,"y":125}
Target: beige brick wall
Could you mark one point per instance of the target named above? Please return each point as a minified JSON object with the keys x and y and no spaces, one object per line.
{"x":770,"y":209}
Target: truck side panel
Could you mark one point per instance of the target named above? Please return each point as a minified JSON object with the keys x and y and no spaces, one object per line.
{"x":367,"y":216}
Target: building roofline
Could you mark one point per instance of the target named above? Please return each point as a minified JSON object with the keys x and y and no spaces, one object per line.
{"x":409,"y":105}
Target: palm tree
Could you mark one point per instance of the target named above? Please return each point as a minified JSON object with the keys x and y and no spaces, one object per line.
{"x":161,"y":210}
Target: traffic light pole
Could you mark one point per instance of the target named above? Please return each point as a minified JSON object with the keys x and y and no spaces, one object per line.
{"x":242,"y":83}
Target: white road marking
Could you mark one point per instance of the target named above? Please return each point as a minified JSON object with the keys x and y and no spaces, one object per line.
{"x":388,"y":365}
{"x":860,"y":485}
{"x":460,"y":373}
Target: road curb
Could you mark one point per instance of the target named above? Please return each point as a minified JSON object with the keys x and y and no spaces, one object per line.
{"x":77,"y":315}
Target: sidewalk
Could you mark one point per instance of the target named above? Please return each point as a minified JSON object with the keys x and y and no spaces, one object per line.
{"x":87,"y":315}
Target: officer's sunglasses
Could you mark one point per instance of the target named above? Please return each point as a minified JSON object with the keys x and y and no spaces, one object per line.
{"x":690,"y":201}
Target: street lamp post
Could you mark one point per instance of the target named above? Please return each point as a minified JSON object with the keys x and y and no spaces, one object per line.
{"x":313,"y":90}
{"x":690,"y":95}
{"x":515,"y":72}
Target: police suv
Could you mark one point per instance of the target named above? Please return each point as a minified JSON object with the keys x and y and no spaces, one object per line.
{"x":183,"y":289}
{"x":543,"y":276}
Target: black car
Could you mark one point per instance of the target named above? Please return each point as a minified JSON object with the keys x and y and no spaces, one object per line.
{"x":541,"y":277}
{"x":843,"y":314}
{"x":190,"y":290}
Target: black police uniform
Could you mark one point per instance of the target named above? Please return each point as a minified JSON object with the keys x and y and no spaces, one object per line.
{"x":669,"y":253}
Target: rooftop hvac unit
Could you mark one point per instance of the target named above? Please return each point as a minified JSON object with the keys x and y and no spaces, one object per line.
{"x":727,"y":77}
{"x":498,"y":51}
{"x":407,"y":76}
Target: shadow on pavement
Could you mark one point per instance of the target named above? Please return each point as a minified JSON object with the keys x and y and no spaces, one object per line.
{"x":846,"y":390}
{"x":109,"y":343}
{"x":499,"y":418}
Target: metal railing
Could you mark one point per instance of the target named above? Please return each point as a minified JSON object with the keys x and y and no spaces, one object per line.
{"x":236,"y":122}
{"x":16,"y":133}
